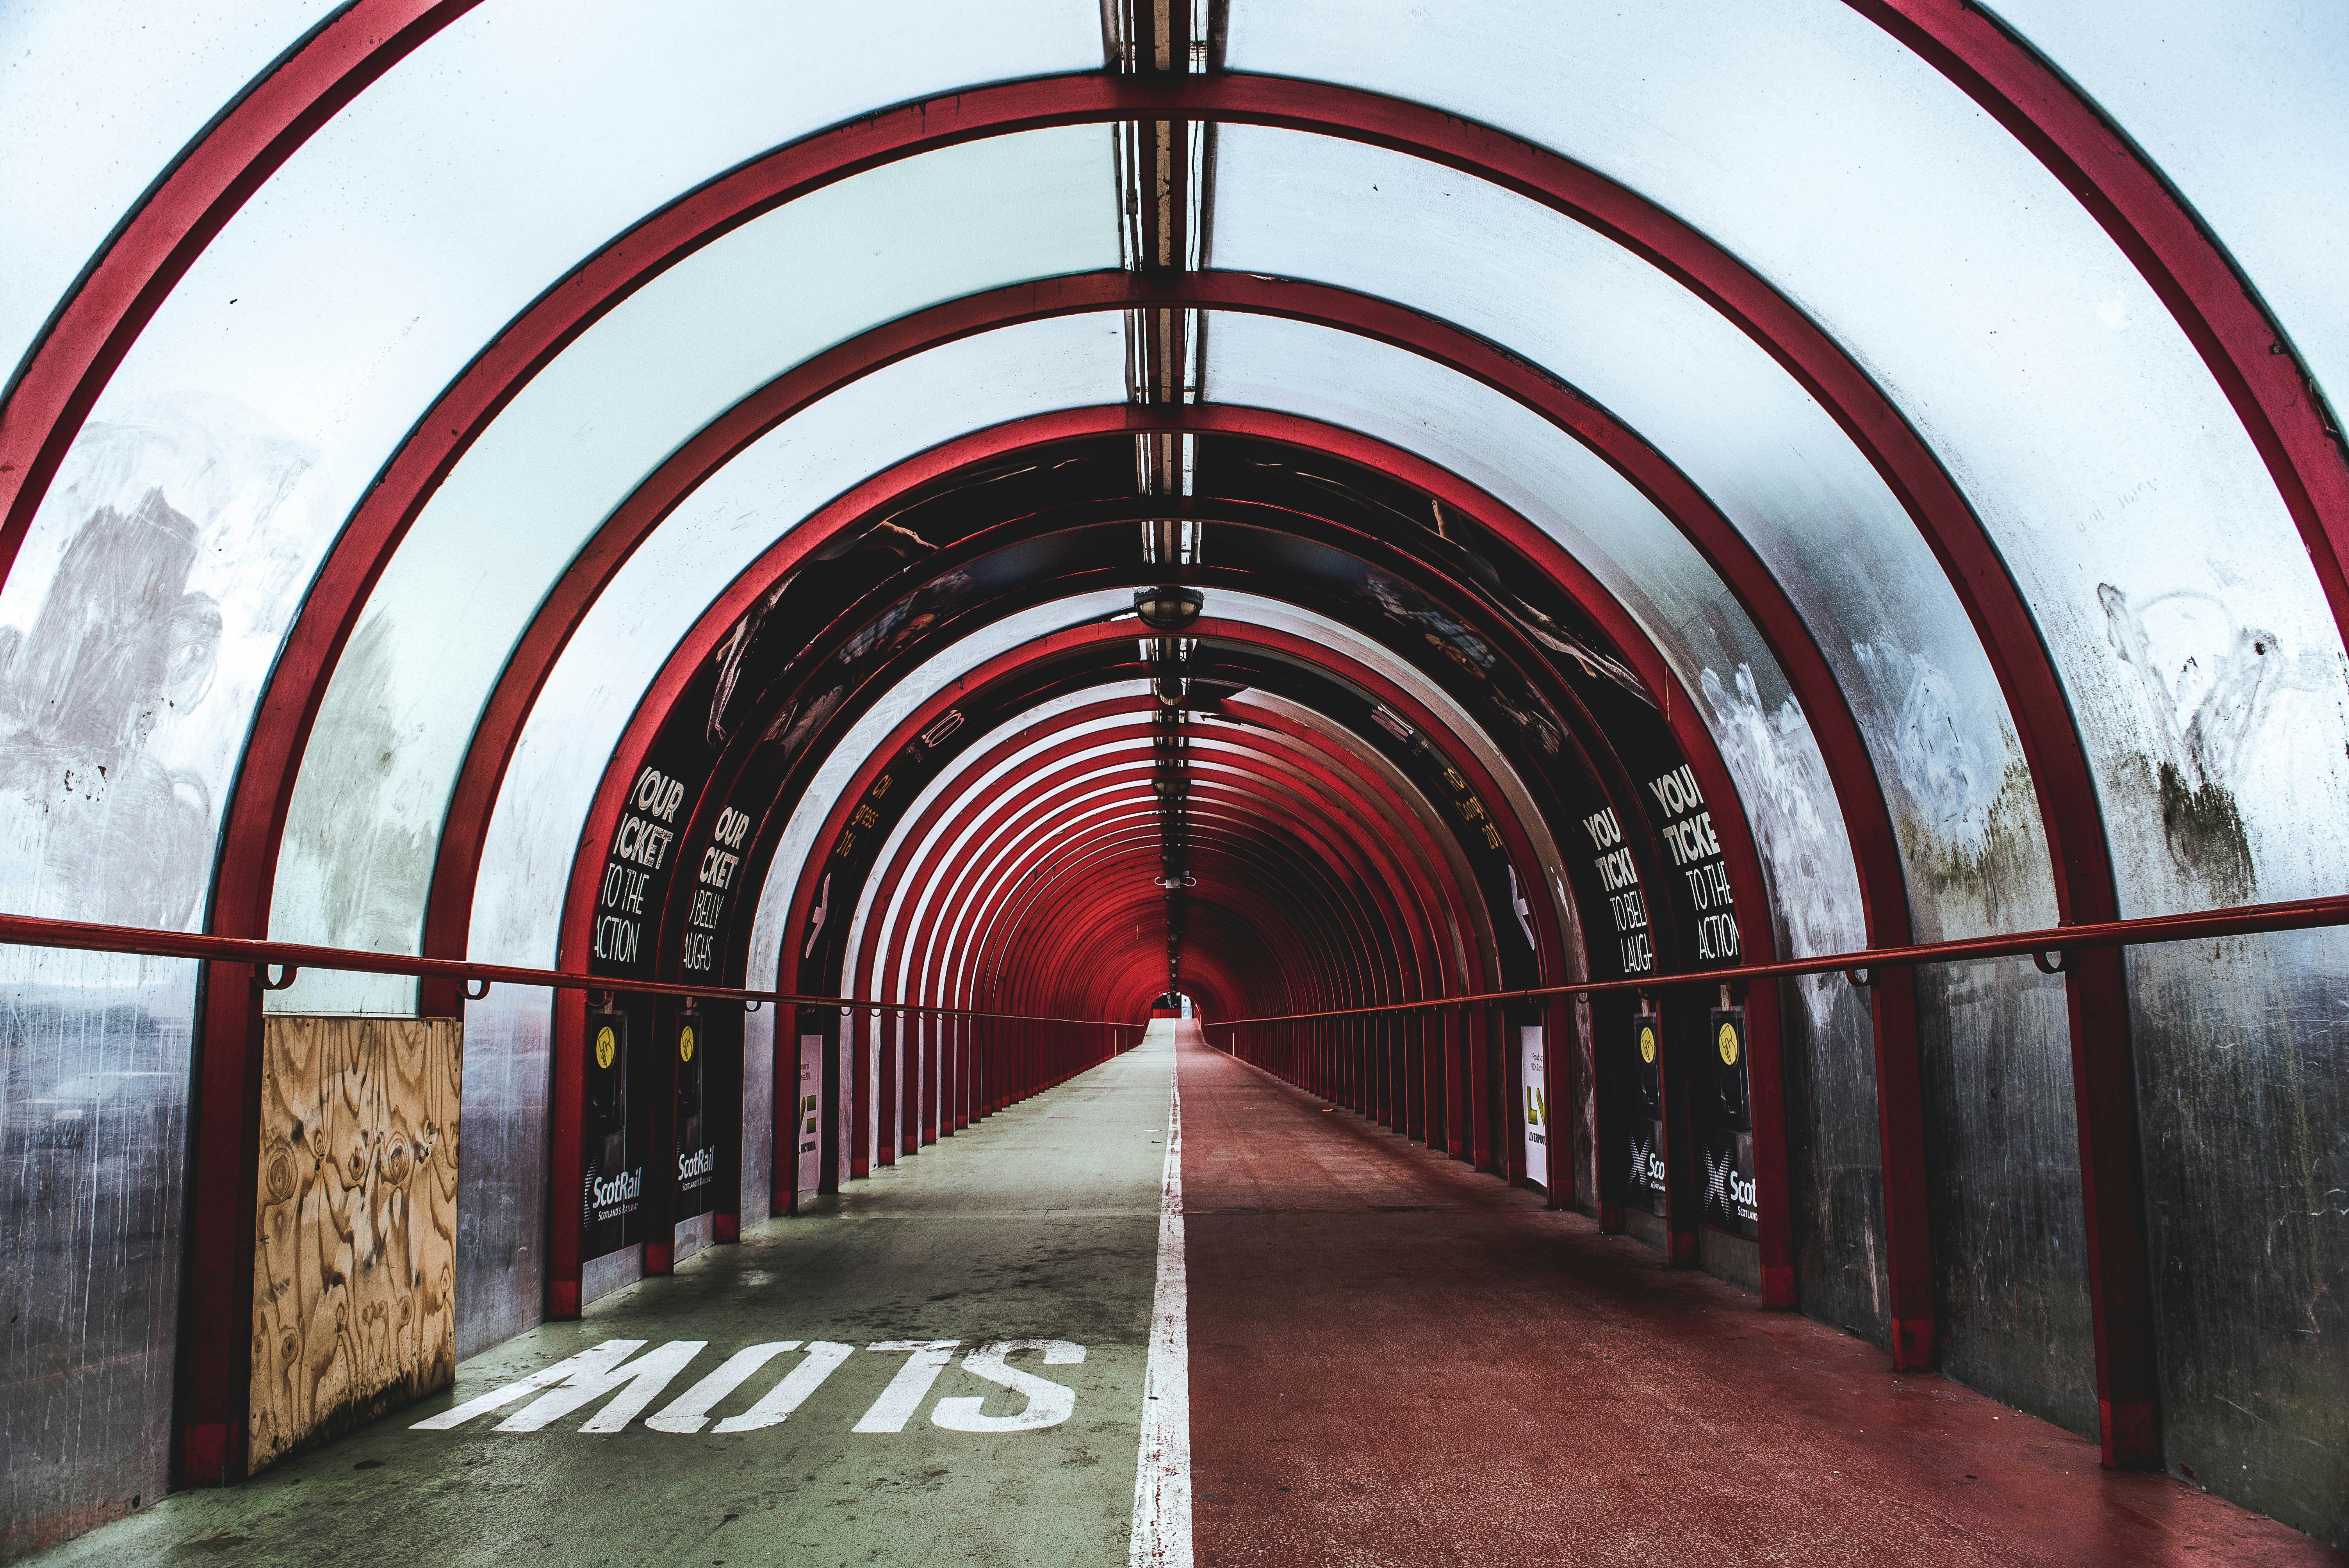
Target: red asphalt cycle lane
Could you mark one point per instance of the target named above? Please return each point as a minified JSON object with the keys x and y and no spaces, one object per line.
{"x":1395,"y":1359}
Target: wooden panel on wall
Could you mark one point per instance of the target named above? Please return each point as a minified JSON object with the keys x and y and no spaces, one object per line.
{"x":355,"y":1256}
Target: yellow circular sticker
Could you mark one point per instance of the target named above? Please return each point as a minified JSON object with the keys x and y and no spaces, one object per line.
{"x":685,"y":1044}
{"x":1647,"y":1043}
{"x":1729,"y":1045}
{"x":607,"y":1046}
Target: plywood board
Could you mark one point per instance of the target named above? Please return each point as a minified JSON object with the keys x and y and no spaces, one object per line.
{"x":354,"y":1252}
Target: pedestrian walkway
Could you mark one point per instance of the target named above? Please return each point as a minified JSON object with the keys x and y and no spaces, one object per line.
{"x":1036,"y":1228}
{"x":1391,"y":1360}
{"x":1395,"y":1359}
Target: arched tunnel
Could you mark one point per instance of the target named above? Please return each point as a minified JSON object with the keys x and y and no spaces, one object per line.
{"x":1346,"y":782}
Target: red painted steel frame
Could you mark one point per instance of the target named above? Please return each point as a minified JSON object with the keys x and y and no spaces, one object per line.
{"x":1062,"y":922}
{"x":2122,"y":1309}
{"x":925,"y":830}
{"x":1208,"y":629}
{"x":2276,"y":399}
{"x":1087,"y":739}
{"x":931,"y":937}
{"x":61,"y":382}
{"x":1850,"y":770}
{"x":1900,"y":1098}
{"x":2069,"y":806}
{"x":1067,"y":914}
{"x":1099,"y":771}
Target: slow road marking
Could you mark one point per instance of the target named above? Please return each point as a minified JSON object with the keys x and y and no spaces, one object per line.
{"x":571,"y":1385}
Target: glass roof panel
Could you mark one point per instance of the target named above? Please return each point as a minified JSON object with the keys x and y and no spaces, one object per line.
{"x":2165,"y":573}
{"x":475,"y":568}
{"x":1557,"y":485}
{"x":2244,"y":108}
{"x":97,"y":99}
{"x":1071,"y":362}
{"x":277,"y":378}
{"x":1639,"y":344}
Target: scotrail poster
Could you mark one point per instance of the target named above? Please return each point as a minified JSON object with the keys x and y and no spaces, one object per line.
{"x":1729,"y":1196}
{"x":697,"y":1142}
{"x":1644,"y":1123}
{"x":612,"y":1128}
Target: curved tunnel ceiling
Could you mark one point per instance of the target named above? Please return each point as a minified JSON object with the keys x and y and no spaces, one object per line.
{"x":1706,"y":482}
{"x":1712,"y":455}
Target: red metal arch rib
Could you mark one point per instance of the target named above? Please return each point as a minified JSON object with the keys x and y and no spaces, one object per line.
{"x":1041,"y":823}
{"x":2068,"y":804}
{"x":1474,"y":1132}
{"x":868,"y":975}
{"x":2271,"y":392}
{"x":2068,"y":801}
{"x":1002,"y":873}
{"x":1335,"y":949}
{"x":977,"y":905}
{"x":1849,"y":766}
{"x":162,"y":237}
{"x":1017,"y":906}
{"x":1085,"y":796}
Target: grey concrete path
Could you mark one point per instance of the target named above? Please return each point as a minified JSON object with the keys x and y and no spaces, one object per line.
{"x":1040,"y":1224}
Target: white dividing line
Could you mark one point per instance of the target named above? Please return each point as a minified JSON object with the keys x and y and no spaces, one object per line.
{"x":1162,"y":1481}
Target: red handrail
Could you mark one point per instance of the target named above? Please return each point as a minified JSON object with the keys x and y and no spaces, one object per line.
{"x":2242,"y":920}
{"x":32,"y":931}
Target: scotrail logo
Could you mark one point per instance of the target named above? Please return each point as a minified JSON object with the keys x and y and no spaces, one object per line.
{"x":626,"y":1187}
{"x":1647,"y":1164}
{"x":700,"y":1163}
{"x":1725,"y":1189}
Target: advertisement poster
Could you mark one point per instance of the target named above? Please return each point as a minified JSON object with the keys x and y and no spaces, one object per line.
{"x":613,"y":1131}
{"x":1536,"y":1087}
{"x":1728,"y":1119}
{"x":810,"y":1133}
{"x":696,"y":1141}
{"x":1644,"y":1123}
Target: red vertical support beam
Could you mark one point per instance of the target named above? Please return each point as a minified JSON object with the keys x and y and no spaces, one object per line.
{"x":1773,"y":1177}
{"x":891,"y":1130}
{"x":565,"y":1169}
{"x":1381,"y":1068}
{"x":959,"y":1062}
{"x":1448,"y":1081}
{"x":217,"y":1314}
{"x":1558,"y":1087}
{"x":1899,"y":1100}
{"x":1435,"y":1031}
{"x":1482,"y":1138}
{"x":2112,"y":1183}
{"x":935,"y":1082}
{"x":868,"y":1092}
{"x":909,"y":1036}
{"x":1415,"y":1042}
